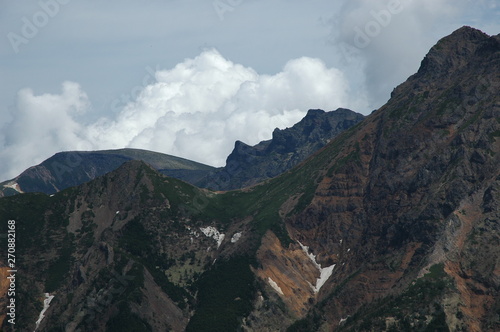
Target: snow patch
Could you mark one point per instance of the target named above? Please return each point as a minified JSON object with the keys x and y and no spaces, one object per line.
{"x":324,"y":273}
{"x":192,"y":232}
{"x":342,"y":320}
{"x":310,"y":255}
{"x":274,"y":285}
{"x":236,"y":237}
{"x":213,"y":233}
{"x":46,"y":305}
{"x":13,"y":185}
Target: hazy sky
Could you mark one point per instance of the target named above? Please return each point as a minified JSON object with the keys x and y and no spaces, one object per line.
{"x":189,"y":77}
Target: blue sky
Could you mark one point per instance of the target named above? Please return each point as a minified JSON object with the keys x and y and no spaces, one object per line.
{"x":190,"y":77}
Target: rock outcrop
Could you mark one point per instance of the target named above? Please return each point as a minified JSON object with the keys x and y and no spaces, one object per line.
{"x":249,"y":165}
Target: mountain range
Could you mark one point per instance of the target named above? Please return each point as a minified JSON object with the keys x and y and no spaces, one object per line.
{"x":392,"y":225}
{"x":249,"y":165}
{"x":68,"y":169}
{"x":245,"y":166}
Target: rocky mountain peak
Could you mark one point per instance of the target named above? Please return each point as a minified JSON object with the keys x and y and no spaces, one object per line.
{"x":248,"y":165}
{"x":314,"y":112}
{"x":453,"y":52}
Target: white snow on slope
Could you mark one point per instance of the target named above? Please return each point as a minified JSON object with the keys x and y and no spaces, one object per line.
{"x":342,"y":320}
{"x":274,"y":285}
{"x":236,"y":237}
{"x":46,"y":305}
{"x":13,"y":185}
{"x":324,"y":273}
{"x":213,"y":233}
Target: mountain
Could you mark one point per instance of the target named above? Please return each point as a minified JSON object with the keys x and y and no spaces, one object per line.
{"x":391,"y":226}
{"x":68,"y":169}
{"x":249,"y":165}
{"x":245,"y":166}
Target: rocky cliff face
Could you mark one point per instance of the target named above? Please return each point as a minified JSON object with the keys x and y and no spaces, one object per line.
{"x":391,"y":226}
{"x":407,"y":196}
{"x":249,"y":165}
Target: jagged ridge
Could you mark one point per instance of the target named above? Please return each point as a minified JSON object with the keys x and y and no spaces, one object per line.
{"x":249,"y":165}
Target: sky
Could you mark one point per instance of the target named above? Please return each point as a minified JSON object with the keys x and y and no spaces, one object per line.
{"x":190,"y":77}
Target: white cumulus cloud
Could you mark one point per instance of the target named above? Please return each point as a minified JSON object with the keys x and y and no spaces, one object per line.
{"x":42,"y":125}
{"x":195,"y":110}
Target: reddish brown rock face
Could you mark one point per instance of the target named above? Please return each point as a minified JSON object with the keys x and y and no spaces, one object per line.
{"x":411,"y":188}
{"x":291,"y":271}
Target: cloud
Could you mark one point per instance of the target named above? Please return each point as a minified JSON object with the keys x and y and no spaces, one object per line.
{"x":384,"y":41}
{"x":200,"y":107}
{"x":42,"y":125}
{"x":195,"y":110}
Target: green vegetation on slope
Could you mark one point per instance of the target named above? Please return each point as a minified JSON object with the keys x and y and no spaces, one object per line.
{"x":425,"y":294}
{"x":225,"y":295}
